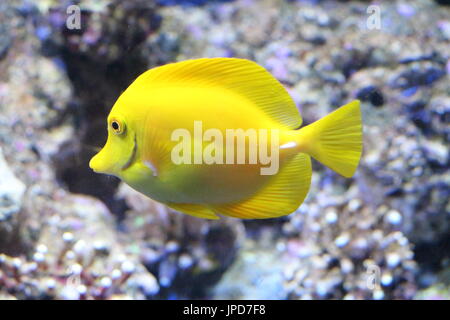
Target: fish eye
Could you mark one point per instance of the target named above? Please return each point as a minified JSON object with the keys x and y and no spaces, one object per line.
{"x":117,"y":126}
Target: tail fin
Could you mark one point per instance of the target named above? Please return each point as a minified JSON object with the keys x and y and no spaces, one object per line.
{"x":336,"y":139}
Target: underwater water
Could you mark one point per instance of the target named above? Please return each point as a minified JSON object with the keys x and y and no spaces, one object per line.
{"x":69,"y":233}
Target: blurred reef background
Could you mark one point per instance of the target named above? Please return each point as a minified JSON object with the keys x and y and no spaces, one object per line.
{"x":67,"y":233}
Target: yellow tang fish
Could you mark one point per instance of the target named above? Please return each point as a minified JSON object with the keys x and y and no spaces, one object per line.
{"x":221,"y":136}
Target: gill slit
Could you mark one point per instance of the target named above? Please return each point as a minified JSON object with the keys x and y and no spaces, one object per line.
{"x":133,"y":155}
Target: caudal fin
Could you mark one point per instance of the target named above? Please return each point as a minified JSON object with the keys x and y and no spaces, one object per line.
{"x":336,"y":139}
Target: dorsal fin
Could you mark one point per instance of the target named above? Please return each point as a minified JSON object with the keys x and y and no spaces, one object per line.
{"x":241,"y":76}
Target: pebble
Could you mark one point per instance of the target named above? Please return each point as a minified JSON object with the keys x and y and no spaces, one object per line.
{"x":378,"y":294}
{"x":393,"y":217}
{"x":128,"y":267}
{"x":342,"y":240}
{"x":386,"y":279}
{"x":185,"y":261}
{"x":105,"y":282}
{"x":392,"y":259}
{"x":331,"y":216}
{"x":371,"y":94}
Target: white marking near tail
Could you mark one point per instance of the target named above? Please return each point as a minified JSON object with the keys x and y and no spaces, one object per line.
{"x":288,"y":145}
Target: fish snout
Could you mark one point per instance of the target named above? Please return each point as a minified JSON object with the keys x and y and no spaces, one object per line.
{"x":99,"y":163}
{"x":94,"y":163}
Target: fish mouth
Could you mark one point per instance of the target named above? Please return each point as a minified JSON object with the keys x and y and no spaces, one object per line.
{"x":132,"y":156}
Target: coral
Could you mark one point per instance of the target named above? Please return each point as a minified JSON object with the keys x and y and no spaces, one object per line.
{"x":11,"y":197}
{"x":257,"y":272}
{"x":58,"y":245}
{"x":325,"y":60}
{"x":341,"y":247}
{"x":76,"y":255}
{"x":68,"y":233}
{"x":185,"y":2}
{"x":68,"y":247}
{"x":187,"y":254}
{"x":5,"y":29}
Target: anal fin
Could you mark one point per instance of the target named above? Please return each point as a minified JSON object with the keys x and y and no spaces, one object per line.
{"x":196,"y":210}
{"x":281,"y":196}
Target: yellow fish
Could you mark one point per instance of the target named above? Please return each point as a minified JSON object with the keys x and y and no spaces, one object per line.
{"x":221,"y":136}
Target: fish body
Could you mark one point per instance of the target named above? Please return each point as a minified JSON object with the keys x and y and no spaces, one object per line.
{"x":173,"y":135}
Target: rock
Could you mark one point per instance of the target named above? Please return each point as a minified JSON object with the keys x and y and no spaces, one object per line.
{"x":5,"y":29}
{"x":11,"y":191}
{"x":437,"y":153}
{"x":186,"y":2}
{"x":11,"y":197}
{"x":443,"y":2}
{"x":58,"y":85}
{"x":371,"y":94}
{"x":188,"y":254}
{"x":256,"y":264}
{"x":413,"y":77}
{"x":77,"y":256}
